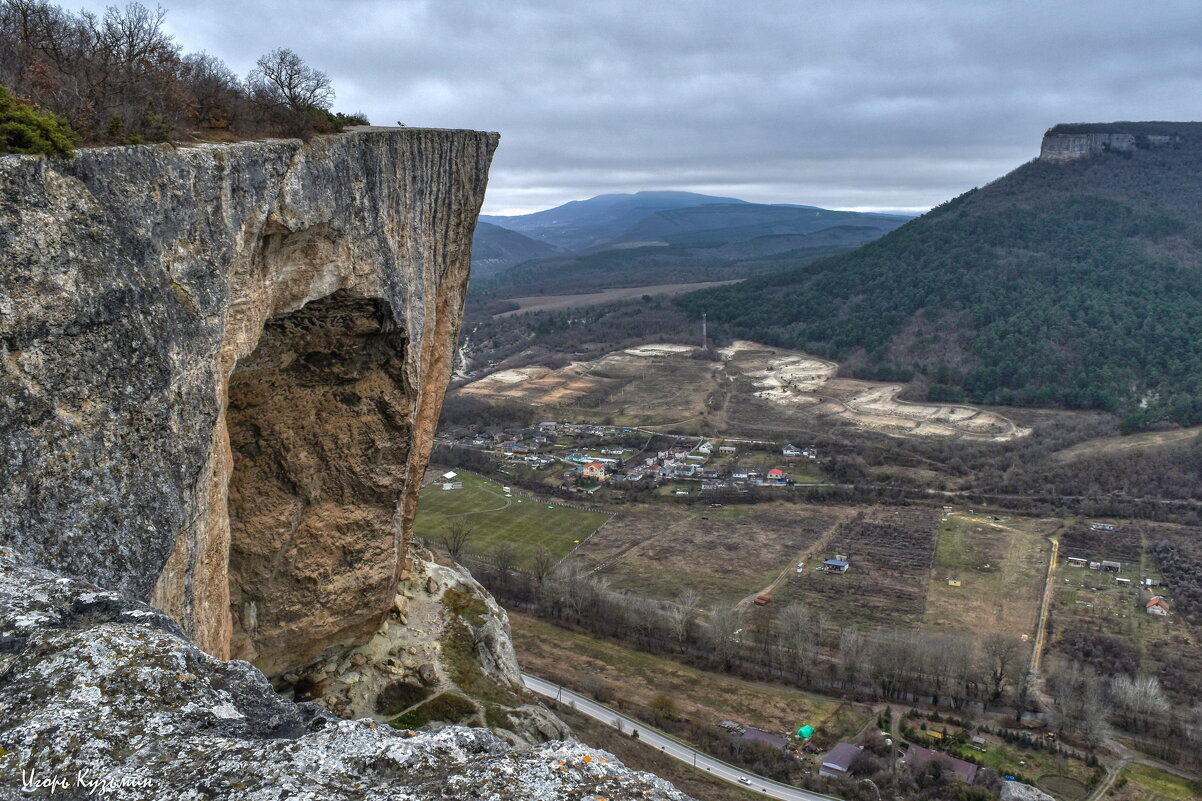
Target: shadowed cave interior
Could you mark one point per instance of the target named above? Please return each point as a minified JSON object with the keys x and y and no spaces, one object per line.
{"x":319,"y":432}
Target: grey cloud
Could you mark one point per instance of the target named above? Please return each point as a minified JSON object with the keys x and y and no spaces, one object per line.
{"x":846,"y":104}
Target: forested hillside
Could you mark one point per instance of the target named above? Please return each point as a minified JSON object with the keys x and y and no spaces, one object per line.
{"x":1075,"y":284}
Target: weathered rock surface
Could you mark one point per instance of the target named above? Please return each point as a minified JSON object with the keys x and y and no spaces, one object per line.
{"x":221,"y":368}
{"x":98,"y":686}
{"x":1061,"y":147}
{"x":453,"y":648}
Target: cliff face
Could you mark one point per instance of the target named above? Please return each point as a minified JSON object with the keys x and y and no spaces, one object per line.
{"x":221,"y":368}
{"x":1069,"y":142}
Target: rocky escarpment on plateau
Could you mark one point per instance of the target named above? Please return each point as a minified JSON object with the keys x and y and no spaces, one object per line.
{"x":221,"y":368}
{"x":1070,"y":142}
{"x":104,"y":697}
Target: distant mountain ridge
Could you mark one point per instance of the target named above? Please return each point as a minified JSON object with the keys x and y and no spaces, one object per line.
{"x":650,"y":238}
{"x":496,"y":249}
{"x":582,"y":224}
{"x":1074,"y":280}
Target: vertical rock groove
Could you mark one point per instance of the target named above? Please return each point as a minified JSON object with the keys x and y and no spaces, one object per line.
{"x":159,"y":306}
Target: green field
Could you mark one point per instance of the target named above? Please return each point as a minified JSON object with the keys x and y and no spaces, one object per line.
{"x":527,"y":523}
{"x":1145,"y":783}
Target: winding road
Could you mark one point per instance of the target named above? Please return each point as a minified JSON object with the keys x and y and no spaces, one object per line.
{"x":684,"y":753}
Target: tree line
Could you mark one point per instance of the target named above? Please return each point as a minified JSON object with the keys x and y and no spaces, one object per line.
{"x":121,"y":78}
{"x":800,"y":646}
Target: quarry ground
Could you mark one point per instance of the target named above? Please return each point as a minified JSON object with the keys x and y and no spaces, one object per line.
{"x":556,"y":302}
{"x":752,"y":388}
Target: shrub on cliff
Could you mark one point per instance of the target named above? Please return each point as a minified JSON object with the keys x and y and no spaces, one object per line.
{"x":27,"y":129}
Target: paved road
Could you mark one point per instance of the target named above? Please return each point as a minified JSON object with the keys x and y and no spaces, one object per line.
{"x":670,"y":747}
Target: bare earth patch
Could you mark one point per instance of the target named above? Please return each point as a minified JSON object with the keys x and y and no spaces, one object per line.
{"x":662,"y":384}
{"x":1112,"y":446}
{"x":553,"y":302}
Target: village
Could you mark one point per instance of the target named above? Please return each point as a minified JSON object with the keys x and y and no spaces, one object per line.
{"x":595,"y":455}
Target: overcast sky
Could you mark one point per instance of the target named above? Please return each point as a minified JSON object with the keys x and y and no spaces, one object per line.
{"x":859,"y":104}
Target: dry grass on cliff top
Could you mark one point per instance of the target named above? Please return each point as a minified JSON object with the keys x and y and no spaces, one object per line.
{"x":580,"y":662}
{"x":526,"y":523}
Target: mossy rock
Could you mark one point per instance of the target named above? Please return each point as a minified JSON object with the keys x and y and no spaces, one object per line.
{"x":445,"y":708}
{"x":399,"y":696}
{"x":498,"y":717}
{"x":465,"y":605}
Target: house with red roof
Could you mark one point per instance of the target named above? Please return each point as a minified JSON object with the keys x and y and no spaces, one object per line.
{"x":595,"y":470}
{"x":776,"y":474}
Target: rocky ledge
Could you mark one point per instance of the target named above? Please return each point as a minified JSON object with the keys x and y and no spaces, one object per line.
{"x":104,"y":696}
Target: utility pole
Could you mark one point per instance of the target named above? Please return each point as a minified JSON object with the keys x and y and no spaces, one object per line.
{"x":703,"y":338}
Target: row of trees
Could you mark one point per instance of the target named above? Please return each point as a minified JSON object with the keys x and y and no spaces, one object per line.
{"x":800,"y":646}
{"x":796,"y":644}
{"x":121,"y":78}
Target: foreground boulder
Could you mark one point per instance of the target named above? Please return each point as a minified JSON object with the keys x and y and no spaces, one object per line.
{"x":98,"y":692}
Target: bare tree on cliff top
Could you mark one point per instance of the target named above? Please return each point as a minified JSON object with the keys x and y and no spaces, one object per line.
{"x":284,"y":77}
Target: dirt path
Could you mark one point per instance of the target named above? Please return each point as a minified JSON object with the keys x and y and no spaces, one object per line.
{"x":1049,"y":589}
{"x":547,"y":302}
{"x":817,"y":546}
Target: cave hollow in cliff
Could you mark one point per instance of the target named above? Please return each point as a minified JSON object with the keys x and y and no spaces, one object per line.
{"x":319,"y":434}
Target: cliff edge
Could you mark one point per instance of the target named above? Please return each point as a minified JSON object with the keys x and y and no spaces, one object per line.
{"x":221,"y":369}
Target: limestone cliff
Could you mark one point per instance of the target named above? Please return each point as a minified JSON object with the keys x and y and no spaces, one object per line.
{"x":1069,"y":142}
{"x":221,"y":368}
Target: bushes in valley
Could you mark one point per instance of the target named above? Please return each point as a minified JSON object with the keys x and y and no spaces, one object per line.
{"x":1180,"y":561}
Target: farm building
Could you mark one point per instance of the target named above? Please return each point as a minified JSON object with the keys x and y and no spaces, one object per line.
{"x":838,"y":761}
{"x":752,"y":734}
{"x":836,"y":565}
{"x":1077,"y":561}
{"x":1111,"y":567}
{"x":790,"y":450}
{"x":1102,"y":527}
{"x":917,"y":758}
{"x":1157,"y":605}
{"x":727,"y":449}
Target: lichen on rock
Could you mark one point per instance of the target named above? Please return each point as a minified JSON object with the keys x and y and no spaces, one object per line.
{"x":96,"y":683}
